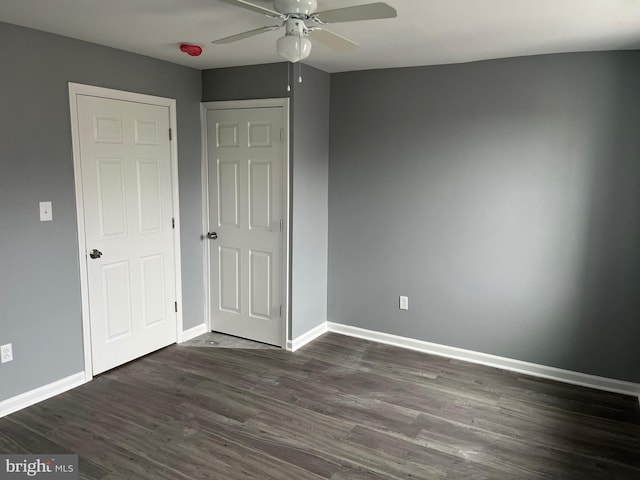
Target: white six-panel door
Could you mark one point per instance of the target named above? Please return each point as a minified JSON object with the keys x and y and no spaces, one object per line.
{"x":245,"y":158}
{"x":127,"y":191}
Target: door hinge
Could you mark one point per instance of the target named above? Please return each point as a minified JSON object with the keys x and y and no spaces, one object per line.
{"x":176,"y":306}
{"x":280,"y":311}
{"x":173,"y":223}
{"x":282,"y":134}
{"x":170,"y":135}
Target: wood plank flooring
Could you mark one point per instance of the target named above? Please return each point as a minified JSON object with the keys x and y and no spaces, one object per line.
{"x":340,"y":408}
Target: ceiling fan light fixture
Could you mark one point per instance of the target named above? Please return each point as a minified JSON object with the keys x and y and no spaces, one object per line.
{"x":293,"y":48}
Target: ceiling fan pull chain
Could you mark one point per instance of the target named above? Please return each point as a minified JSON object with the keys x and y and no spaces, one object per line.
{"x":300,"y":56}
{"x":288,"y":76}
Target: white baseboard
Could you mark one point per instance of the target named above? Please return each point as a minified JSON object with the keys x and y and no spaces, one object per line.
{"x":193,"y":332}
{"x":542,"y":371}
{"x":39,"y":394}
{"x":309,"y":336}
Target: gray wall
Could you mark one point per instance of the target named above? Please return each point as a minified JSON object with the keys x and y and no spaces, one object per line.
{"x":503,"y":197}
{"x":309,"y":173}
{"x":310,"y":200}
{"x":245,"y":83}
{"x":39,"y":273}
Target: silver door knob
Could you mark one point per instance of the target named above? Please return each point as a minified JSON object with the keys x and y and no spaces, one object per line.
{"x":212,"y":236}
{"x":95,"y":253}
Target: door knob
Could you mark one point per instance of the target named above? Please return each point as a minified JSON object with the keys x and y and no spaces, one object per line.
{"x":212,"y":236}
{"x":95,"y":253}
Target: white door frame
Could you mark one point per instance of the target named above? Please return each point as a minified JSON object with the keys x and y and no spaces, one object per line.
{"x":76,"y":89}
{"x":286,"y":186}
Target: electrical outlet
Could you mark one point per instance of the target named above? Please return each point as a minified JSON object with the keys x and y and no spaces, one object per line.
{"x":6,"y":353}
{"x":404,"y":302}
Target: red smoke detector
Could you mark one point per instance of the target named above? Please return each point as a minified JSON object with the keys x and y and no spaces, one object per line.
{"x":193,"y":50}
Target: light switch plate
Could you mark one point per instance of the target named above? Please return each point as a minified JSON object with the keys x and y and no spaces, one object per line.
{"x":46,"y":212}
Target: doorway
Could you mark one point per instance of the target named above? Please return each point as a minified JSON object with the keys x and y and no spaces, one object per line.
{"x":246,"y":177}
{"x":125,"y":161}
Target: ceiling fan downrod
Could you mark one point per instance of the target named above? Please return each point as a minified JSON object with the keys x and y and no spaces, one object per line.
{"x":304,"y":8}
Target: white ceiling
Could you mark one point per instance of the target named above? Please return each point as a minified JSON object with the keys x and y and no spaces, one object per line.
{"x":426,"y":32}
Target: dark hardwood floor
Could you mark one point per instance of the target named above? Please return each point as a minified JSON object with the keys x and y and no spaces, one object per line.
{"x":340,"y":408}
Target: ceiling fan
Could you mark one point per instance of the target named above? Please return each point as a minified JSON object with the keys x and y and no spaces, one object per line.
{"x":301,"y":21}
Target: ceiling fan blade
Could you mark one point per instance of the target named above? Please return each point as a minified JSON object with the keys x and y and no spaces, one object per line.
{"x":370,"y":11}
{"x":240,"y":36}
{"x":254,"y":8}
{"x":333,"y":40}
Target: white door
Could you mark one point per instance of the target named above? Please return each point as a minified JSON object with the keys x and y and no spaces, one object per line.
{"x":125,"y":159}
{"x":245,"y":159}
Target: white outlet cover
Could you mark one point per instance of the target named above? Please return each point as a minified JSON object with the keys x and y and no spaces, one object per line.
{"x":404,"y":302}
{"x":6,"y":353}
{"x":46,"y":212}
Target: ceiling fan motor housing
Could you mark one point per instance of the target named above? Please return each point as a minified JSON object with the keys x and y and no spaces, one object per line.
{"x":301,"y":7}
{"x":296,"y":27}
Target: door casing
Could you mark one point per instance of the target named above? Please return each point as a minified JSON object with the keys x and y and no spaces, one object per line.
{"x":286,"y":184}
{"x":76,"y":89}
